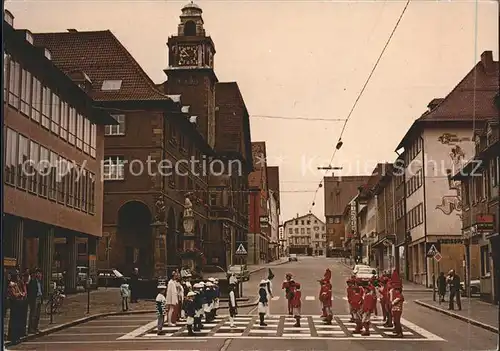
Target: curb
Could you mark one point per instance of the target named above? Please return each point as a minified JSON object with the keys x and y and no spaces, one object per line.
{"x":459,"y":317}
{"x":266,"y":267}
{"x":70,"y":324}
{"x":73,"y":323}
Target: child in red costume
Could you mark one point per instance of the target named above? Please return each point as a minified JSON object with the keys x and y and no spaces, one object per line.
{"x":397,"y":300}
{"x":383,"y":296}
{"x":357,"y":307}
{"x":288,"y":287}
{"x":369,"y":306}
{"x":325,"y":297}
{"x":350,"y":291}
{"x":296,"y":303}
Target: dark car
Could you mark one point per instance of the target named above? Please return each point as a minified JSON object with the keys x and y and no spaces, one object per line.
{"x":110,"y":278}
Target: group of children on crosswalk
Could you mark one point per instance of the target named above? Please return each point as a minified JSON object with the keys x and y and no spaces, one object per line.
{"x":200,"y":300}
{"x":363,"y":296}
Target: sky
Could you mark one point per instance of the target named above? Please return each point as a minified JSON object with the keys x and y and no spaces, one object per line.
{"x":306,"y":59}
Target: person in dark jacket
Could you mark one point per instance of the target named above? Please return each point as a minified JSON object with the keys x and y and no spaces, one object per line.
{"x":199,"y":301}
{"x":454,"y":282}
{"x":441,"y":285}
{"x":262,"y":305}
{"x":15,"y":296}
{"x":35,"y":301}
{"x":134,"y":286}
{"x":23,"y":285}
{"x":190,"y":311}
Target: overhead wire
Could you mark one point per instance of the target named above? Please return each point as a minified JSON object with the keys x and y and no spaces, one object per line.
{"x":358,"y":98}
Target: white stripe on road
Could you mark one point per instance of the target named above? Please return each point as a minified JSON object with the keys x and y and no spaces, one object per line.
{"x":103,"y":326}
{"x":82,"y":334}
{"x":139,"y":331}
{"x":275,"y":298}
{"x":421,"y":331}
{"x":310,"y":298}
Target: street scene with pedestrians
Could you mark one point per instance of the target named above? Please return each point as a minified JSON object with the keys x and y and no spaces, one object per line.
{"x":332,"y":183}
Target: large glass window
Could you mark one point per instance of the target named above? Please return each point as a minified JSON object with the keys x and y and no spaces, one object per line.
{"x":79,"y":131}
{"x":118,"y":129}
{"x":10,"y":156}
{"x":93,"y":139}
{"x":44,"y":170}
{"x":63,"y":130}
{"x":72,"y":126}
{"x":22,"y":161}
{"x":25,"y":92}
{"x":114,"y":168}
{"x":36,"y":106}
{"x":14,"y":84}
{"x":86,"y":135}
{"x":33,"y":169}
{"x":53,"y":158}
{"x":46,"y":104}
{"x":56,"y":113}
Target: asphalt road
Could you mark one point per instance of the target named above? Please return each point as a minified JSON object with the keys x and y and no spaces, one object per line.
{"x":424,"y":329}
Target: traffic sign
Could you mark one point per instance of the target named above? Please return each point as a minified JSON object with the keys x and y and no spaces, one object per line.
{"x":438,"y":257}
{"x":432,"y":251}
{"x":241,"y":250}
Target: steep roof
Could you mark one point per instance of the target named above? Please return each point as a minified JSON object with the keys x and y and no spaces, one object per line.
{"x":232,"y":124}
{"x":472,"y":97}
{"x":304,"y":216}
{"x":101,"y":56}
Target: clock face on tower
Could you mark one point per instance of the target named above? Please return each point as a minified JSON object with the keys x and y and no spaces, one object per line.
{"x":188,"y":55}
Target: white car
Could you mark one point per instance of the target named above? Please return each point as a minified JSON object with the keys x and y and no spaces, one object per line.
{"x":365,"y":273}
{"x":360,"y":266}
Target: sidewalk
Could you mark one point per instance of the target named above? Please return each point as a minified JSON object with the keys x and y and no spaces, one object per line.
{"x":253,"y":268}
{"x":474,"y":311}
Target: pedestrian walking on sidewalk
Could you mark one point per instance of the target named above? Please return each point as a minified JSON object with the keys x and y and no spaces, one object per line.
{"x":23,"y":285}
{"x":161,"y":307}
{"x":455,"y":287}
{"x":125,"y":294}
{"x":263,"y":301}
{"x":441,"y":285}
{"x":35,"y":301}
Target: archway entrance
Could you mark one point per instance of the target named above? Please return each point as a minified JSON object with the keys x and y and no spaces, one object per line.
{"x":134,"y":235}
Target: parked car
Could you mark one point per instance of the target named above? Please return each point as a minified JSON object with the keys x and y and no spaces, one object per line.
{"x":292,"y":257}
{"x":110,"y":278}
{"x":475,"y":287}
{"x":241,"y":272}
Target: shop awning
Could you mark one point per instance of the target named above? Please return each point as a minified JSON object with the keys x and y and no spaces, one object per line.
{"x":386,"y":241}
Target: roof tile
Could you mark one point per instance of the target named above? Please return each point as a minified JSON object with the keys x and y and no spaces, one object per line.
{"x":101,"y":56}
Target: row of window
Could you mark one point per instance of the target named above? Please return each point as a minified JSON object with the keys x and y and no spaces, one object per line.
{"x":303,"y":222}
{"x":39,"y":170}
{"x":413,"y":150}
{"x":415,"y":217}
{"x":414,"y":183}
{"x":298,"y":241}
{"x":400,"y":209}
{"x":24,"y":92}
{"x":333,"y":220}
{"x":482,"y":186}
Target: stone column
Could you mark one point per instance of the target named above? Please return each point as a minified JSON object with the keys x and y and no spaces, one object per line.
{"x":160,"y":249}
{"x":46,"y":258}
{"x":71,"y":259}
{"x":17,"y":240}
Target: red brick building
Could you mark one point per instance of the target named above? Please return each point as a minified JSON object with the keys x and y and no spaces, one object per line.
{"x":228,"y":193}
{"x":52,"y":122}
{"x":259,"y":229}
{"x":142,"y":218}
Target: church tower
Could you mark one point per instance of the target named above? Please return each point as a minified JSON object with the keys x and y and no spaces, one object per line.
{"x":190,"y":69}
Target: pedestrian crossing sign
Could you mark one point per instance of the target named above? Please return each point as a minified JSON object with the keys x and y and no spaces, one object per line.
{"x":241,"y":250}
{"x":432,"y":251}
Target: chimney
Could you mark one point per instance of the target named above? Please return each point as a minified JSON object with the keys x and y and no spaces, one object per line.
{"x":433,"y":104}
{"x":487,"y":61}
{"x":72,"y":30}
{"x":8,"y":17}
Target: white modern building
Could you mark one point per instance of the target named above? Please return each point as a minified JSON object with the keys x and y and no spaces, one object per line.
{"x":306,"y":235}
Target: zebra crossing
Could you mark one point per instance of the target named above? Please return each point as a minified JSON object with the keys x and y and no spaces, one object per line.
{"x":281,"y":327}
